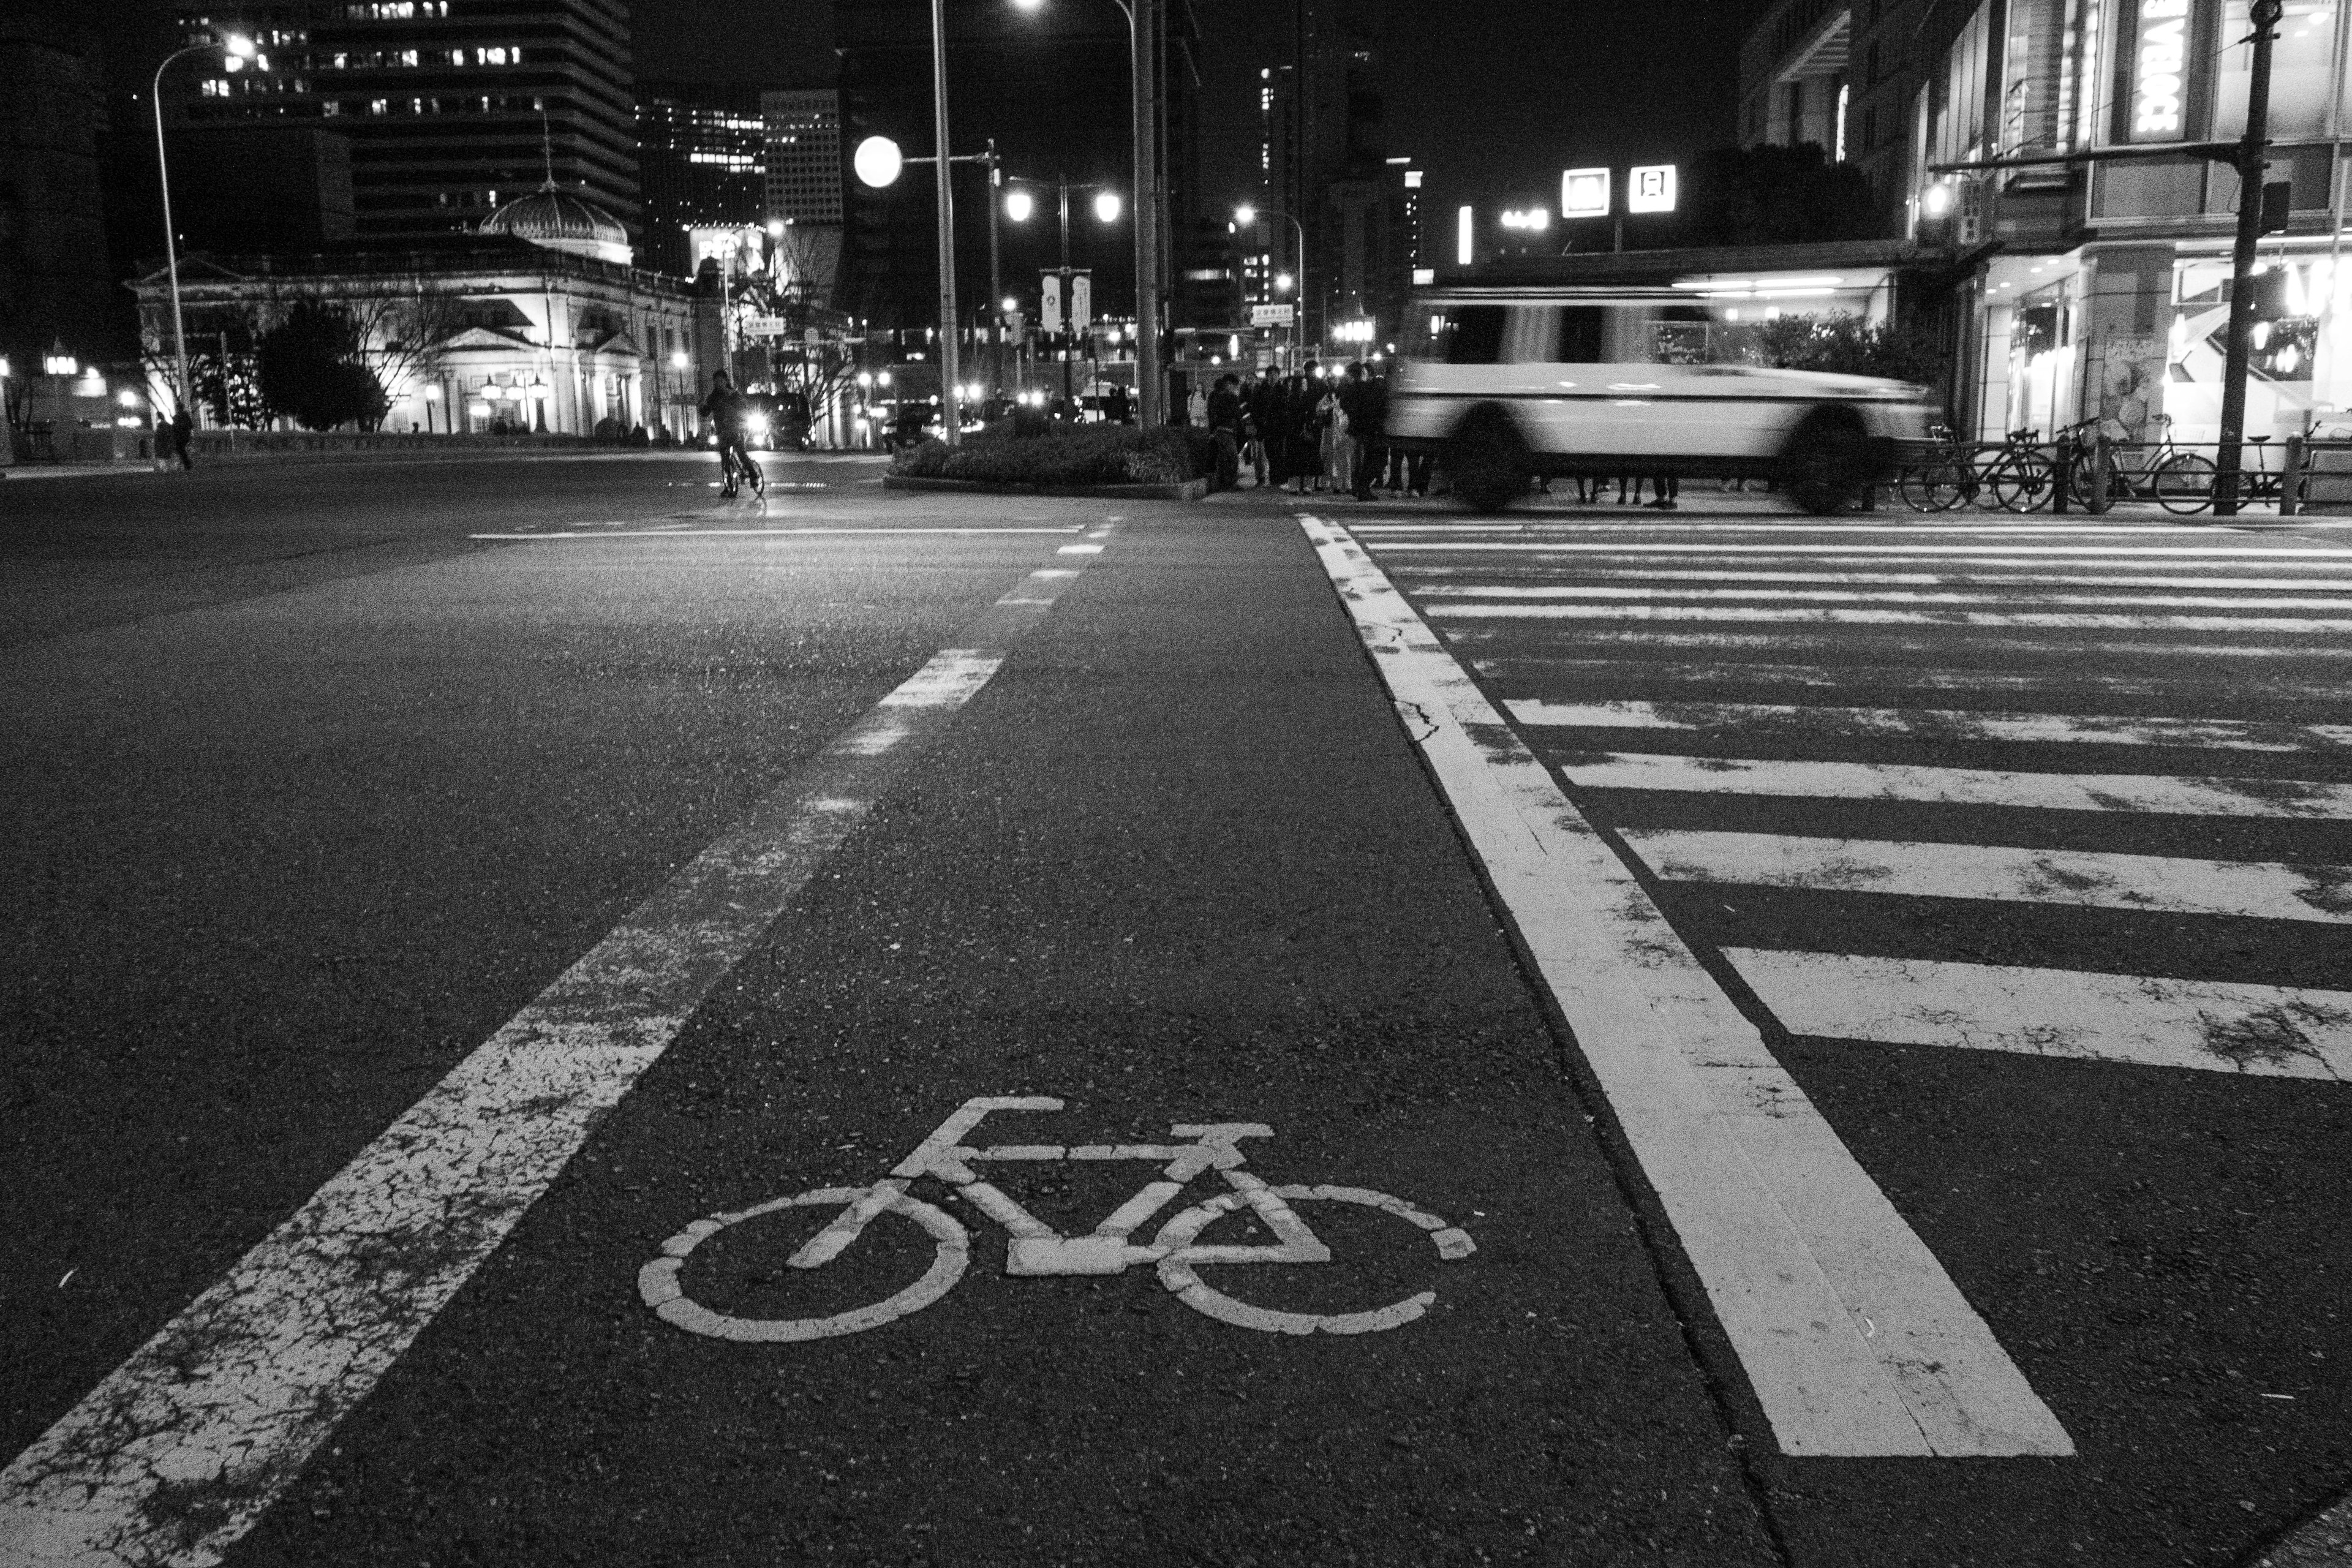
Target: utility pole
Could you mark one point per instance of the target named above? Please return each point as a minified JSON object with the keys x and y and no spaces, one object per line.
{"x":2252,"y":165}
{"x":1151,"y":382}
{"x":950,"y":364}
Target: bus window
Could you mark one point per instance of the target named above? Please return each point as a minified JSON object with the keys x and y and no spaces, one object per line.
{"x":1473,"y":334}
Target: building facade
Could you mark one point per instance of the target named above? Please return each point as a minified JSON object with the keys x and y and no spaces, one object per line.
{"x":452,"y":107}
{"x":57,"y":293}
{"x":702,"y":162}
{"x":537,"y":322}
{"x":2091,"y":286}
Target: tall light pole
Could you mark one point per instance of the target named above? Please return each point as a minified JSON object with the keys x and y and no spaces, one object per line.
{"x":237,"y":47}
{"x":1142,"y":45}
{"x":2251,"y":167}
{"x":1247,"y":215}
{"x":950,"y":362}
{"x":1107,"y":210}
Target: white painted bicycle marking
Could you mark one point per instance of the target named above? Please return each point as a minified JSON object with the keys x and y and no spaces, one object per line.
{"x":1036,"y":1249}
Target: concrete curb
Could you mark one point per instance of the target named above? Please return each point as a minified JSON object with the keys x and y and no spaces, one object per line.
{"x":2323,"y":1542}
{"x":1190,"y":490}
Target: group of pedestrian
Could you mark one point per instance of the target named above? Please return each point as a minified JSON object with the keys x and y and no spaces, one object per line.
{"x":1311,"y":432}
{"x":174,"y":439}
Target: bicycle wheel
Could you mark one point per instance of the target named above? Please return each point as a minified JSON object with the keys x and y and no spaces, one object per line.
{"x":2023,"y":482}
{"x":2183,"y":483}
{"x":1179,"y":1273}
{"x":659,"y":1284}
{"x":1935,"y":485}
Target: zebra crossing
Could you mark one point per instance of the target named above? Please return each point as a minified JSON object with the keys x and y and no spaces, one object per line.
{"x":2083,"y":727}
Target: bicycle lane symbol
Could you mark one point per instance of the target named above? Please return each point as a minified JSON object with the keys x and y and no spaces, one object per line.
{"x":1035,"y":1249}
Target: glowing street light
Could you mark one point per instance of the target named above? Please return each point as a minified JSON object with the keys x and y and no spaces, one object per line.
{"x":239,"y":49}
{"x":879,"y":162}
{"x":1019,"y":206}
{"x":1106,"y":207}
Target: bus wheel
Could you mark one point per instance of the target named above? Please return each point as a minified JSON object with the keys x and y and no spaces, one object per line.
{"x":1488,"y":460}
{"x":1826,"y":462}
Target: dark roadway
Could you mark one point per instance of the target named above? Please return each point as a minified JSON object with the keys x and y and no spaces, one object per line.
{"x":313,"y":789}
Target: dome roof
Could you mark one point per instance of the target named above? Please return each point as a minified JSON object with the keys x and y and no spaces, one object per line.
{"x":561,"y":221}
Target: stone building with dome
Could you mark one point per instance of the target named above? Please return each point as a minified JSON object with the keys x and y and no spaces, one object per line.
{"x":536,"y":321}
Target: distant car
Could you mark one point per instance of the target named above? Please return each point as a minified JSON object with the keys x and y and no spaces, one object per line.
{"x":1506,"y":384}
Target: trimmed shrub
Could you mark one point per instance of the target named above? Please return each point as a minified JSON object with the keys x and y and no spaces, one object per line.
{"x":1090,"y":455}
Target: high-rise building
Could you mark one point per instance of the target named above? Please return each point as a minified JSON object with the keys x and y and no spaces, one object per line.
{"x":453,"y":106}
{"x":702,"y":160}
{"x":803,"y":155}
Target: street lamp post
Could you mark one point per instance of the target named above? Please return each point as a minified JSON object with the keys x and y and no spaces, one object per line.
{"x":1107,"y":210}
{"x":2251,"y":167}
{"x":1142,"y":42}
{"x":1245,"y":215}
{"x":950,"y":412}
{"x":237,"y":48}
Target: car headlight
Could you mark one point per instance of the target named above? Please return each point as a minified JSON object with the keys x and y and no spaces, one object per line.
{"x":758,"y":424}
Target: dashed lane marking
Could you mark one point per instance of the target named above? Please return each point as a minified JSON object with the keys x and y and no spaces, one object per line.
{"x":2252,"y":797}
{"x":2262,"y":1031}
{"x":2156,"y":884}
{"x":180,"y":1450}
{"x":763,"y":533}
{"x":1854,"y":1338}
{"x":1941,"y":725}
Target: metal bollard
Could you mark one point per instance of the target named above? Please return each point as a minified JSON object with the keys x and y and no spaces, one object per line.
{"x":2063,"y":472}
{"x":2103,"y":461}
{"x":2291,"y":479}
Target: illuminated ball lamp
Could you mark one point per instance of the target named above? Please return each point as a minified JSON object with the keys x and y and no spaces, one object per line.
{"x":1936,"y":201}
{"x":879,"y":162}
{"x":1019,"y":206}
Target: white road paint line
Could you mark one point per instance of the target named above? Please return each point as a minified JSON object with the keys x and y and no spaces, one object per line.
{"x":2089,"y":554}
{"x":1946,"y":724}
{"x":1972,"y":578}
{"x":1708,"y":597}
{"x":1079,"y":550}
{"x":1688,"y":525}
{"x":1733,"y":615}
{"x":2294,"y":799}
{"x":1882,"y":644}
{"x":772,"y":533}
{"x":2261,"y":1031}
{"x":1796,"y":1245}
{"x":1624,"y":672}
{"x":180,"y":1450}
{"x":2155,"y":884}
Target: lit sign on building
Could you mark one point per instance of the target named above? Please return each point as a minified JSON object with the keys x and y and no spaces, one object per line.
{"x":1584,"y":192}
{"x":1535,"y":219}
{"x":2159,"y":68}
{"x":1464,"y":235}
{"x":1650,"y":188}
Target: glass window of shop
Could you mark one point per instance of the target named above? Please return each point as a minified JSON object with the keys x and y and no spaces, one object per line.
{"x":2301,"y":70}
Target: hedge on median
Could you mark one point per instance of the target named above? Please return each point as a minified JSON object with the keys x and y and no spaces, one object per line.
{"x":1089,"y":455}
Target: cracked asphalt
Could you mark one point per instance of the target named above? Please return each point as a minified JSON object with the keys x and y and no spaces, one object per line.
{"x":314,"y":790}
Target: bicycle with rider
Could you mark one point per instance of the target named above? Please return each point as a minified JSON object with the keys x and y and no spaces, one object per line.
{"x":727,"y":412}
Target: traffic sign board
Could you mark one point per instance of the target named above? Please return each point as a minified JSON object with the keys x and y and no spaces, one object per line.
{"x":766,"y":327}
{"x":1273,"y":315}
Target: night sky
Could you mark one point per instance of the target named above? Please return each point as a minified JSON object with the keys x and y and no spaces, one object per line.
{"x":1493,"y":97}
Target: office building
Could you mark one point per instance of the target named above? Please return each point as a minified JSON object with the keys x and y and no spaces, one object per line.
{"x":804,"y":167}
{"x":702,"y":160}
{"x":453,"y":108}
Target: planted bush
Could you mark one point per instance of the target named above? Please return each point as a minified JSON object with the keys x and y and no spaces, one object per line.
{"x":1089,"y":455}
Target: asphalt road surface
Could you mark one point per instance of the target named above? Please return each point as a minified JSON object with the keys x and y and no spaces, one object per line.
{"x":1300,"y":1032}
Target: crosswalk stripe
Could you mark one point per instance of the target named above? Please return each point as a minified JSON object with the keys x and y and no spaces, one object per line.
{"x":2266,"y":1031}
{"x":1523,"y":667}
{"x":2023,"y":554}
{"x":1797,"y":1248}
{"x":1943,"y":724}
{"x":2040,"y":579}
{"x":2288,"y":798}
{"x":2147,"y":883}
{"x":1707,"y":597}
{"x":1735,"y":614}
{"x":1882,"y":643}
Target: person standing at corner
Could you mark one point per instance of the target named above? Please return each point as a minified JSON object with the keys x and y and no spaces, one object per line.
{"x":1361,"y":400}
{"x":1269,"y":412}
{"x":1225,"y":414}
{"x":184,"y":430}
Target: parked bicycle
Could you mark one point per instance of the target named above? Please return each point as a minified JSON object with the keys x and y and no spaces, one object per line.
{"x":2180,"y":480}
{"x":1035,"y":1249}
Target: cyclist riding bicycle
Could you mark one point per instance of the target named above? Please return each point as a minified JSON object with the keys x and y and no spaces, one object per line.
{"x":729,"y":412}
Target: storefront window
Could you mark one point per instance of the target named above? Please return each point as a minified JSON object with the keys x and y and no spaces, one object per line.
{"x":2300,"y":69}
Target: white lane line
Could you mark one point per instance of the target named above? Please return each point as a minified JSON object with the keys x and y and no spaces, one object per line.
{"x":1950,"y":724}
{"x":1900,"y":529}
{"x":2079,"y":879}
{"x":1708,"y":598}
{"x":1620,"y":672}
{"x":1882,"y":643}
{"x":2291,"y":798}
{"x":1485,"y":571}
{"x":1854,"y":1338}
{"x":768,"y":532}
{"x":1079,"y":550}
{"x":2090,"y":555}
{"x":2262,"y":1031}
{"x":1733,"y":615}
{"x":180,"y":1450}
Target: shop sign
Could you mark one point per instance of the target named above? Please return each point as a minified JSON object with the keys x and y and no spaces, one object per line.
{"x":1650,"y":188}
{"x":1584,"y":192}
{"x":2160,"y":73}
